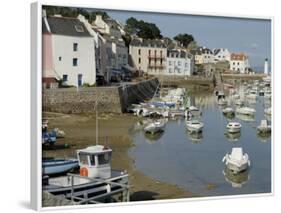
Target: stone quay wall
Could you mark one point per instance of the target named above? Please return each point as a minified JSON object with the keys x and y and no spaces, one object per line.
{"x":113,"y":99}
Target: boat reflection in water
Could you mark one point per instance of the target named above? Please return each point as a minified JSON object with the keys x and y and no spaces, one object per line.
{"x":264,"y":137}
{"x":152,"y":138}
{"x":235,"y":136}
{"x":243,"y":117}
{"x":236,"y":180}
{"x":195,"y":137}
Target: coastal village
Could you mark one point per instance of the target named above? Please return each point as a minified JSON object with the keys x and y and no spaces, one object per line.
{"x":107,"y":88}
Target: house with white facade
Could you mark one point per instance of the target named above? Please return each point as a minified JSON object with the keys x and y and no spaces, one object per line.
{"x":70,"y":56}
{"x":203,"y":55}
{"x":221,"y":54}
{"x":148,"y":56}
{"x":179,"y":63}
{"x":239,"y":62}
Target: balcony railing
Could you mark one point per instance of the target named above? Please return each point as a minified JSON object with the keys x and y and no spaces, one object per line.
{"x":156,"y":57}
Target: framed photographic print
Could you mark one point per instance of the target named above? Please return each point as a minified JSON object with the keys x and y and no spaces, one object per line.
{"x":135,"y":106}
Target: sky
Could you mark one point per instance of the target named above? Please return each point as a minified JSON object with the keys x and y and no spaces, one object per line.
{"x":251,"y":36}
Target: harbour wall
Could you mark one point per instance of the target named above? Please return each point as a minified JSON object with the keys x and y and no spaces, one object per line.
{"x":113,"y":99}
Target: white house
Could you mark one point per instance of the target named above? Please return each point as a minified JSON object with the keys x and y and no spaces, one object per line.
{"x":72,"y":50}
{"x":221,"y":54}
{"x":179,"y":63}
{"x":239,"y":62}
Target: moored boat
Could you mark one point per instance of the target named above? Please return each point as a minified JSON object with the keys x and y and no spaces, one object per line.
{"x":237,"y":161}
{"x":264,"y":127}
{"x":194,"y":126}
{"x":154,"y":127}
{"x":233,"y":127}
{"x":246,"y":110}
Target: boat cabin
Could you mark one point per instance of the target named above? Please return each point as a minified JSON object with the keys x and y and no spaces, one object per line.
{"x":95,"y":161}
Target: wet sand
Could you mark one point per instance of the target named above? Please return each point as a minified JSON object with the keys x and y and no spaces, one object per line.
{"x":81,"y":132}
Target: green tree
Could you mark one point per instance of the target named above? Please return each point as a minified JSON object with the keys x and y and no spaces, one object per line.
{"x":142,"y":29}
{"x":184,"y":39}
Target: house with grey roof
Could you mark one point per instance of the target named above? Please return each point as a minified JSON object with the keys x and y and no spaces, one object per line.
{"x":203,"y":55}
{"x":221,"y":54}
{"x":148,"y":56}
{"x":179,"y":63}
{"x":68,"y":51}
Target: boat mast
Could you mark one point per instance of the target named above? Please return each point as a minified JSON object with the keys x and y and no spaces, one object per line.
{"x":97,"y":127}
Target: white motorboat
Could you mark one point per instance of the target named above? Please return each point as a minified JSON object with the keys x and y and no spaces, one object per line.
{"x":154,"y":127}
{"x":237,"y":161}
{"x":228,"y":111}
{"x":192,"y":111}
{"x":239,"y":102}
{"x":96,"y":178}
{"x":246,"y":110}
{"x":194,"y":126}
{"x":267,"y":111}
{"x":233,"y":127}
{"x":264,"y":127}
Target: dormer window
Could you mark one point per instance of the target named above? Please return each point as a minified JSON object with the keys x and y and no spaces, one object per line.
{"x":79,"y":28}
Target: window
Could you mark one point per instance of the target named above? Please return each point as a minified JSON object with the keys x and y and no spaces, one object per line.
{"x":233,"y":63}
{"x":83,"y":158}
{"x":179,"y":63}
{"x":92,"y":159}
{"x":170,"y":70}
{"x":139,"y":60}
{"x":75,"y":47}
{"x":75,"y":62}
{"x":149,"y":52}
{"x":139,"y":51}
{"x":60,"y":58}
{"x":64,"y":78}
{"x":104,"y":158}
{"x":237,"y":63}
{"x":79,"y":28}
{"x":170,"y":63}
{"x":161,"y":53}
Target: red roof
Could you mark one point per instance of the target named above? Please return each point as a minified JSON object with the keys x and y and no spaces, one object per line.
{"x":238,"y":56}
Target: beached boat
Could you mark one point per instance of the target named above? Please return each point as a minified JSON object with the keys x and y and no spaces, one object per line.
{"x":96,"y":179}
{"x":264,"y":127}
{"x":233,"y":127}
{"x":58,"y":166}
{"x":154,"y":127}
{"x":245,"y":110}
{"x":194,"y":126}
{"x":48,"y":137}
{"x":237,"y":161}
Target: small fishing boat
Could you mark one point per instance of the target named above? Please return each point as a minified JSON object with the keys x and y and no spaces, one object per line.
{"x":192,"y":111}
{"x":246,"y":110}
{"x":49,"y":137}
{"x":59,"y":133}
{"x":96,"y":179}
{"x":264,"y":127}
{"x":228,"y":111}
{"x":58,"y":166}
{"x":154,"y":127}
{"x":194,"y":126}
{"x":267,"y":111}
{"x":233,"y":127}
{"x":237,"y":161}
{"x":239,"y":102}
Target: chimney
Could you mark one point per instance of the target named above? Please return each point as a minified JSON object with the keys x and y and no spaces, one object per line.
{"x":266,"y":66}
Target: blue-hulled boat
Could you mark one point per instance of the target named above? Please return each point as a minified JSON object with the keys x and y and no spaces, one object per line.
{"x":54,"y":166}
{"x":49,"y":137}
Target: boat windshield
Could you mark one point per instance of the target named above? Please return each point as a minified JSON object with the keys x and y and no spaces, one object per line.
{"x":83,"y":158}
{"x":104,"y":158}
